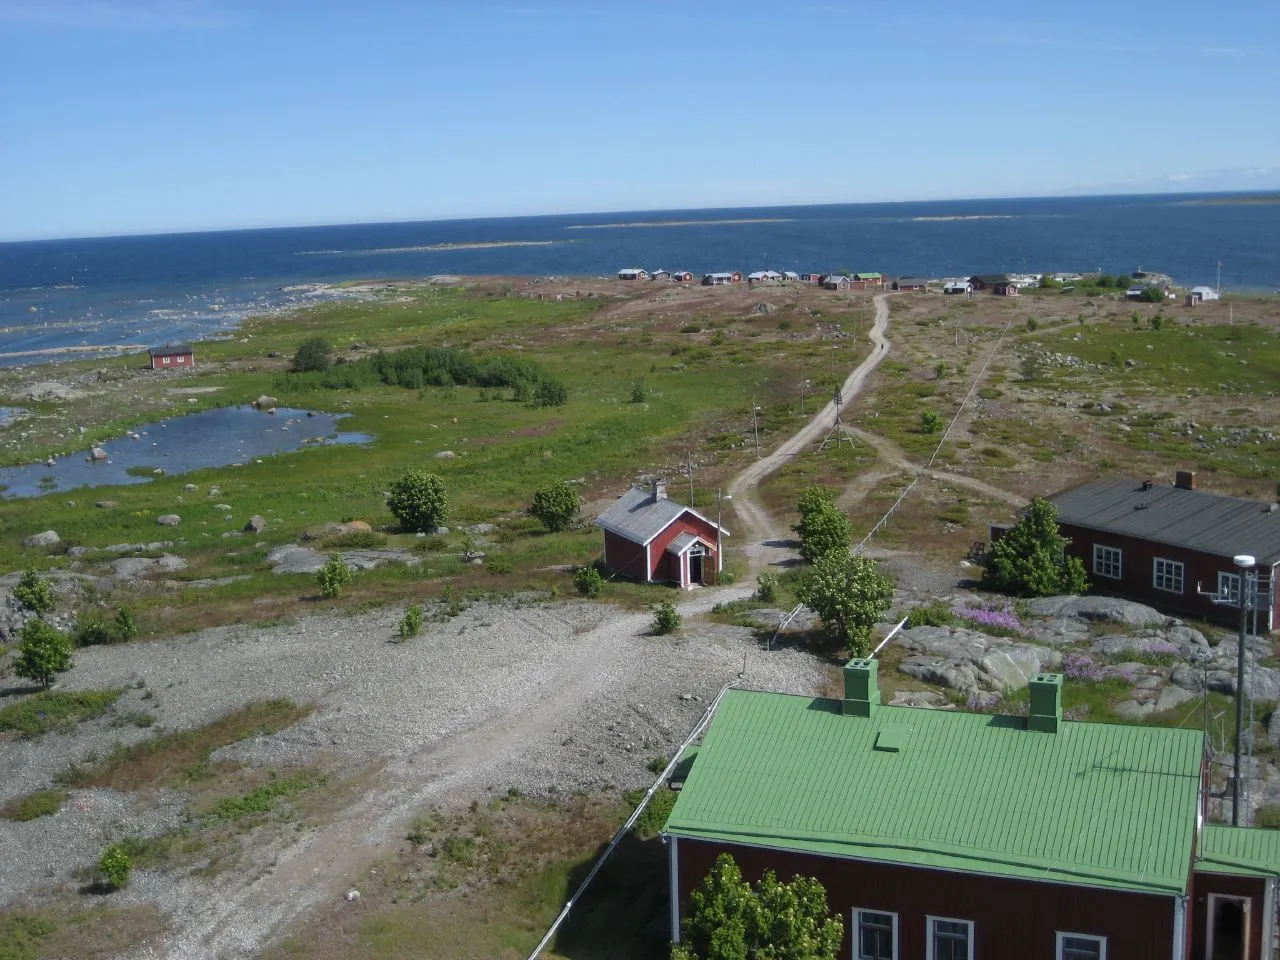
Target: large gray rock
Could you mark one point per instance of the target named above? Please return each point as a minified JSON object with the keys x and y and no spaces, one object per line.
{"x":168,"y":520}
{"x":255,"y":524}
{"x":1098,"y":609}
{"x":969,"y":661}
{"x":131,"y":568}
{"x":1263,"y":682}
{"x":1273,"y":729}
{"x":46,"y":539}
{"x":1058,"y":631}
{"x":295,"y":559}
{"x":1185,"y":643}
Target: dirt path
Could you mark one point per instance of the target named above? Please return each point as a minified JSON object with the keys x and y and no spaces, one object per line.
{"x":768,"y":540}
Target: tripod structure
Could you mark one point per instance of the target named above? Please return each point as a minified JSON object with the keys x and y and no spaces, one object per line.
{"x":837,"y":433}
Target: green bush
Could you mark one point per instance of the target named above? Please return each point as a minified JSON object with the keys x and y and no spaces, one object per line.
{"x":1030,"y":559}
{"x":93,"y":629}
{"x":114,"y":866}
{"x":355,"y":540}
{"x":34,"y":592}
{"x":654,"y":816}
{"x":936,"y":614}
{"x":411,"y":624}
{"x":333,"y":576}
{"x":666,"y":618}
{"x":1268,"y":816}
{"x":30,"y":806}
{"x":126,"y":628}
{"x":550,"y":393}
{"x":638,"y":393}
{"x":555,"y":505}
{"x":588,"y":581}
{"x":767,"y":588}
{"x":419,"y":501}
{"x":499,"y":564}
{"x":930,"y":421}
{"x":314,"y":354}
{"x":44,"y":651}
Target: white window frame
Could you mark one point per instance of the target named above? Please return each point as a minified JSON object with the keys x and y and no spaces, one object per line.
{"x":929,"y":926}
{"x":1102,"y":561}
{"x":1175,"y":571}
{"x":165,"y":360}
{"x":857,"y":931}
{"x":1229,"y":587}
{"x":1063,"y":934}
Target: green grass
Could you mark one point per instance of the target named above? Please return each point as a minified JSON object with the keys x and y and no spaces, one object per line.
{"x":30,"y":806}
{"x":55,"y":710}
{"x":263,"y":799}
{"x":55,"y":933}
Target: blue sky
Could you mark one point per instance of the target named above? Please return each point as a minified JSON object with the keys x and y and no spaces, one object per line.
{"x":126,"y":116}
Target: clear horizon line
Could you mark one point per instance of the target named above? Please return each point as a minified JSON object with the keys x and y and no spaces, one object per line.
{"x":170,"y":232}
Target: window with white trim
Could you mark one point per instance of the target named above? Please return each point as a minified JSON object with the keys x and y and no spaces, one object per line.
{"x":165,"y":360}
{"x":948,"y":939}
{"x":1107,"y":561}
{"x":1166,"y":575}
{"x":875,"y":935}
{"x":1081,"y":946}
{"x":1229,"y":587}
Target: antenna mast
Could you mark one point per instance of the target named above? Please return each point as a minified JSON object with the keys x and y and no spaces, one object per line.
{"x":837,"y":432}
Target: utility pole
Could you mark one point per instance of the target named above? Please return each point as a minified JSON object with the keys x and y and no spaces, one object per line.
{"x":1219,"y":287}
{"x":755,"y":427}
{"x":691,"y":480}
{"x":1244,"y":563}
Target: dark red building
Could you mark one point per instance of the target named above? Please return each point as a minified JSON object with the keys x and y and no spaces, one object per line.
{"x":944,"y":834}
{"x":1168,"y":545}
{"x":172,"y":356}
{"x":652,"y":538}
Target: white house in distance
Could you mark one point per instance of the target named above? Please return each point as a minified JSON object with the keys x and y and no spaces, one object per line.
{"x":1201,"y":295}
{"x":633,"y":273}
{"x":955,"y":287}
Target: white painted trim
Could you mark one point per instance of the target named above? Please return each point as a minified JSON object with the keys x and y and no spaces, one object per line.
{"x":1181,"y":576}
{"x":1269,"y":915}
{"x":857,"y":940}
{"x":929,"y":921}
{"x":1101,"y":941}
{"x":648,"y":566}
{"x":673,"y":867}
{"x":1208,"y":923}
{"x":1119,"y":563}
{"x":1180,"y":928}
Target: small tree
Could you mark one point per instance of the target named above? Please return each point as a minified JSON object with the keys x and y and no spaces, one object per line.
{"x":333,"y":576}
{"x":114,"y":866}
{"x":729,"y":920}
{"x":1157,"y":322}
{"x":930,"y":421}
{"x":588,"y":581}
{"x":638,"y":392}
{"x":34,"y":592}
{"x":850,"y":594}
{"x":939,"y":370}
{"x":767,"y":588}
{"x":411,"y":624}
{"x":823,"y":526}
{"x":550,"y":393}
{"x":314,"y":353}
{"x":419,"y":501}
{"x":44,"y":651}
{"x":555,"y":505}
{"x":666,"y":618}
{"x":1030,"y":559}
{"x":126,"y":628}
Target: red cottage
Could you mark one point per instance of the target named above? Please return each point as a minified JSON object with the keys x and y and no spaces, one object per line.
{"x":946,"y":835}
{"x":172,"y":356}
{"x":648,"y":537}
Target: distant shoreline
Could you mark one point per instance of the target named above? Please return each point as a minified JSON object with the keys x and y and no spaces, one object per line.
{"x":677,"y":223}
{"x":1246,"y":199}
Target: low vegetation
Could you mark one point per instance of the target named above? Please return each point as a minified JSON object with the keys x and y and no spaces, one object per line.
{"x":55,"y":710}
{"x":32,"y":806}
{"x":333,"y":576}
{"x":666,"y":618}
{"x":1030,"y":559}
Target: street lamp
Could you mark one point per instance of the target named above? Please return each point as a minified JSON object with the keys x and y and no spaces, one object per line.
{"x":1244,"y":563}
{"x":755,"y":428}
{"x":720,"y":498}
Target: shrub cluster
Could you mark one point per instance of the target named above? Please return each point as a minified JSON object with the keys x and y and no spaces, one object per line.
{"x":588,"y":581}
{"x":666,"y":618}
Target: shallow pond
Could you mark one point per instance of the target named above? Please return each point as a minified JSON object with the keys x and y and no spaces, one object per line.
{"x":212,"y":438}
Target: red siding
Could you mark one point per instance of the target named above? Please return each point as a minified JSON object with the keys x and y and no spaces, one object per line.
{"x":1013,"y":919}
{"x":1137,"y":573}
{"x":623,"y":556}
{"x":1203,"y":884}
{"x":667,"y":567}
{"x":175,"y":360}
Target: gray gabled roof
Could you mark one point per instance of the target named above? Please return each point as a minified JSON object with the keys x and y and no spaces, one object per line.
{"x":683,"y":542}
{"x":1194,"y":519}
{"x":638,"y":517}
{"x":170,"y":350}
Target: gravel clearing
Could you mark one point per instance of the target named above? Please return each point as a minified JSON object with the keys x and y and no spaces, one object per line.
{"x":544,"y":697}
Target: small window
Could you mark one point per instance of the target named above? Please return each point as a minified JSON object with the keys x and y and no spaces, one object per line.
{"x":1229,"y":589}
{"x":165,"y":360}
{"x":1107,"y":561}
{"x":876,"y":935}
{"x":1167,"y":575}
{"x":1081,"y":946}
{"x":949,"y":939}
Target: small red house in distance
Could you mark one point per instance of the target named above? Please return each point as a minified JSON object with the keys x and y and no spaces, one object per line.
{"x":648,"y":537}
{"x":172,"y":356}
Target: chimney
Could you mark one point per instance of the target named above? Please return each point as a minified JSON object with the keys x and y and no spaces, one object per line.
{"x":861,"y":688}
{"x":1185,"y":480}
{"x":1046,"y":703}
{"x":659,"y":490}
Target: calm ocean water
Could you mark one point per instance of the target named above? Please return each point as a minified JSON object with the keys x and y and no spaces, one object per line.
{"x":146,"y":290}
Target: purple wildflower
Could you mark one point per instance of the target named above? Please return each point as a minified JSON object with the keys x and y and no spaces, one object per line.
{"x":990,"y":615}
{"x":1081,"y":666}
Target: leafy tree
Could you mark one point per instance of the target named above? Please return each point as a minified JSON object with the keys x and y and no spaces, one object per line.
{"x":823,"y":526}
{"x":930,"y":421}
{"x":555,"y":505}
{"x":419,"y":501}
{"x":1157,"y":322}
{"x":1030,"y":559}
{"x":850,"y":594}
{"x":115,"y":866}
{"x":314,"y":353}
{"x":126,"y":628}
{"x":729,"y":920}
{"x":767,"y":588}
{"x":1032,"y":325}
{"x":638,"y":393}
{"x":550,"y":393}
{"x":1029,"y":367}
{"x":1152,"y":295}
{"x":1049,"y":282}
{"x":333,"y":576}
{"x":588,"y":581}
{"x":34,"y":592}
{"x":666,"y":618}
{"x":44,"y":651}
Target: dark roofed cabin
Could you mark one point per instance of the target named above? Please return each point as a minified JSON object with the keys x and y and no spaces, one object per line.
{"x":651,"y":538}
{"x":172,"y":356}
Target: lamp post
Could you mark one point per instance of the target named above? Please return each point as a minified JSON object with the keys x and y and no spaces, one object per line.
{"x":755,"y":427}
{"x":1244,"y":563}
{"x":720,"y":498}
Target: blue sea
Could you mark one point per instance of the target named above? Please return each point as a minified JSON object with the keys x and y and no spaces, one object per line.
{"x":151,"y":289}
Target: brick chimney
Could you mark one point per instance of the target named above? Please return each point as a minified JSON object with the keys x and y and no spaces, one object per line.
{"x":1185,"y":480}
{"x":659,"y":490}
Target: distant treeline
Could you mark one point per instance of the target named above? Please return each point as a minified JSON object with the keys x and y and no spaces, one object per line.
{"x":417,"y":367}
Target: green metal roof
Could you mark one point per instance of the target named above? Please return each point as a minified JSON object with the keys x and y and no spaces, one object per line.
{"x":1094,"y":804}
{"x":1243,"y":850}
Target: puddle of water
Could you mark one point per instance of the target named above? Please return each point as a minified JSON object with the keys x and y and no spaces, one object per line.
{"x":212,"y":438}
{"x":9,"y":413}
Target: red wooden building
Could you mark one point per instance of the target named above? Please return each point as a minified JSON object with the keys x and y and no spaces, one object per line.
{"x":1163,"y":544}
{"x":651,"y":538}
{"x":172,"y":356}
{"x":945,"y":834}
